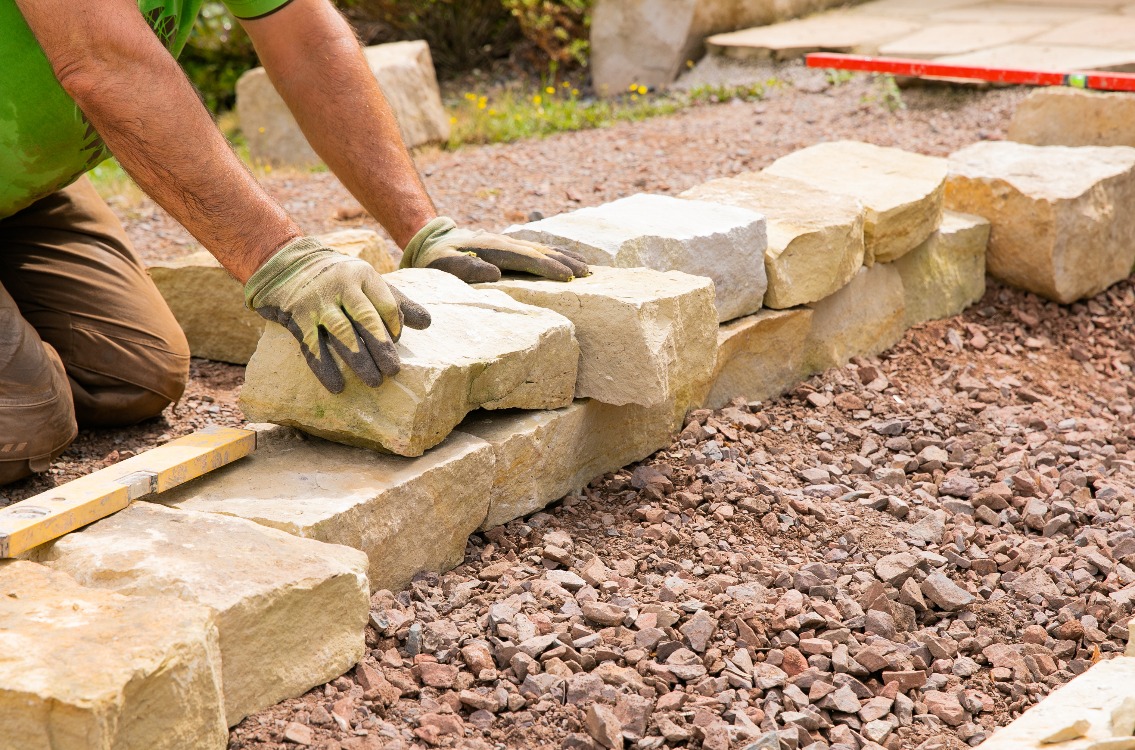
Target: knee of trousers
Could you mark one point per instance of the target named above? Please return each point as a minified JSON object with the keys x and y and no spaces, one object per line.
{"x":148,"y":381}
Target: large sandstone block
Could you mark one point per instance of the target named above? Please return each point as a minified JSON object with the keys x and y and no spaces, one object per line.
{"x":83,"y":669}
{"x":901,"y":192}
{"x":760,"y":356}
{"x":483,"y":350}
{"x":1057,"y":116}
{"x":723,"y":243}
{"x":407,"y":515}
{"x":644,"y":336}
{"x":815,"y":238}
{"x":946,"y":273}
{"x":290,"y":612}
{"x":404,"y":71}
{"x":862,"y":319}
{"x":542,"y":456}
{"x":208,"y":303}
{"x":1061,"y":220}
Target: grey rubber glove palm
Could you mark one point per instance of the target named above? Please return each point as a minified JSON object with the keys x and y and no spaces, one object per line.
{"x":337,"y":307}
{"x":475,"y":256}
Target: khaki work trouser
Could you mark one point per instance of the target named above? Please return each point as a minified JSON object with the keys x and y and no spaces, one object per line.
{"x":85,"y":337}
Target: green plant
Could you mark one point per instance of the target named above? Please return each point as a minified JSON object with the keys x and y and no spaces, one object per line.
{"x":558,"y":28}
{"x":708,"y":93}
{"x":838,"y":77}
{"x":217,"y":53}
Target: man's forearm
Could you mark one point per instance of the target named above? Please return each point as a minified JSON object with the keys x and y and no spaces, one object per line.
{"x":148,"y":114}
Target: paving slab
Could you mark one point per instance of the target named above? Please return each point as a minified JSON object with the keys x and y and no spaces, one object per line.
{"x":939,"y":39}
{"x":407,"y":514}
{"x":1094,"y":31}
{"x":1059,"y":116}
{"x":855,"y":33}
{"x":645,"y":336}
{"x":1017,"y":12}
{"x":901,"y":192}
{"x":1061,"y":224}
{"x":290,"y":612}
{"x":1052,"y":57}
{"x":208,"y":303}
{"x":946,"y":273}
{"x":815,"y":238}
{"x":862,"y":319}
{"x":920,"y":10}
{"x":760,"y":356}
{"x":723,"y":243}
{"x":85,"y":669}
{"x":483,"y":350}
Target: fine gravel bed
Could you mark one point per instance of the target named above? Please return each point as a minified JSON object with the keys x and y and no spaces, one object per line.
{"x":908,"y":551}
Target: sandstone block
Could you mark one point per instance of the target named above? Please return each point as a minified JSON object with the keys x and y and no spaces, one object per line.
{"x":290,"y":612}
{"x":1060,"y":220}
{"x":862,"y":319}
{"x":760,"y":356}
{"x":483,"y":350}
{"x":542,"y":456}
{"x":723,"y":243}
{"x":946,"y":273}
{"x":901,"y":192}
{"x":83,"y":669}
{"x":407,"y":515}
{"x":404,"y":71}
{"x":644,"y":336}
{"x":209,"y":303}
{"x":1057,"y":116}
{"x":815,"y":238}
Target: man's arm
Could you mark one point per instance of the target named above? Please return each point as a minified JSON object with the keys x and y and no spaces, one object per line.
{"x":133,"y":92}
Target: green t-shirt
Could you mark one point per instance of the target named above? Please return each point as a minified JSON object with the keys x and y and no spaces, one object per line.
{"x":45,"y":142}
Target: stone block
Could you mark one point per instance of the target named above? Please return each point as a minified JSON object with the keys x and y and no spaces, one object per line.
{"x":828,"y":32}
{"x":760,"y":356}
{"x":407,"y":515}
{"x":1057,"y":116}
{"x":404,"y":71}
{"x":83,"y":669}
{"x":901,"y":192}
{"x":208,"y":303}
{"x":723,"y":243}
{"x":946,"y":273}
{"x":645,"y":337}
{"x":542,"y":456}
{"x":815,"y":238}
{"x":1061,"y":224}
{"x":290,"y":612}
{"x":483,"y":350}
{"x":860,"y":320}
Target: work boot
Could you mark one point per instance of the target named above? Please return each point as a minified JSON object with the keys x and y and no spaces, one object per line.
{"x":37,"y":417}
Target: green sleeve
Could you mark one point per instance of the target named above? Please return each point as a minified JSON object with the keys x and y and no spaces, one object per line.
{"x":249,"y":9}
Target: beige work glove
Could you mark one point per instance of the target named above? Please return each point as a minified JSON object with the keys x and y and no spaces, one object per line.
{"x":474,"y":256}
{"x":339,"y":309}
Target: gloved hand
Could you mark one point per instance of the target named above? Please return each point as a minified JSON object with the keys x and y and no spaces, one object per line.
{"x":474,"y":256}
{"x":334,"y":303}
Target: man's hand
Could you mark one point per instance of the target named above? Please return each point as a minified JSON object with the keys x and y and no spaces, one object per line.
{"x":333,"y":303}
{"x":474,"y":256}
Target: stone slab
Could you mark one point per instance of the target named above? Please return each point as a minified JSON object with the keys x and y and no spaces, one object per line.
{"x":1058,"y":116}
{"x":407,"y":515}
{"x":1094,"y":31}
{"x":645,"y":337}
{"x":483,"y":350}
{"x":723,"y":243}
{"x":815,"y":238}
{"x":901,"y":192}
{"x":83,"y":669}
{"x":920,"y":10}
{"x":208,"y":303}
{"x":862,"y":319}
{"x":1012,"y":11}
{"x":946,"y":273}
{"x":1052,"y":57}
{"x":543,"y":456}
{"x":760,"y":356}
{"x":939,"y":39}
{"x":1060,"y":220}
{"x":404,"y":71}
{"x":827,"y":32}
{"x":290,"y":612}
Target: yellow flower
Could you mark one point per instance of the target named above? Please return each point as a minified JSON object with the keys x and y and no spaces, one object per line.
{"x":492,"y":111}
{"x":634,"y":97}
{"x":642,"y":90}
{"x":537,"y":99}
{"x":471,"y":96}
{"x":632,"y":88}
{"x":452,"y":120}
{"x":550,"y":90}
{"x":260,"y":130}
{"x":575,"y":92}
{"x":689,"y":63}
{"x":565,"y":84}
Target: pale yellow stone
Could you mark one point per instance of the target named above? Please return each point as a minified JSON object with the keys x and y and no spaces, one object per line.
{"x":830,"y":32}
{"x":939,"y":39}
{"x":901,"y":192}
{"x":1058,"y":116}
{"x":483,"y":350}
{"x":83,"y":669}
{"x":644,"y":336}
{"x":760,"y":356}
{"x":290,"y":612}
{"x":862,"y":319}
{"x":1051,"y":57}
{"x":1061,"y":224}
{"x":815,"y":237}
{"x":407,"y":515}
{"x":946,"y":273}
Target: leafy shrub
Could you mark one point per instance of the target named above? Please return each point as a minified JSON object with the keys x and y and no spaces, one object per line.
{"x":217,"y":53}
{"x":558,"y":28}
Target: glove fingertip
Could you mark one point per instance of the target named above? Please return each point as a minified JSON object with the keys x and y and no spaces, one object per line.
{"x":470,"y":269}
